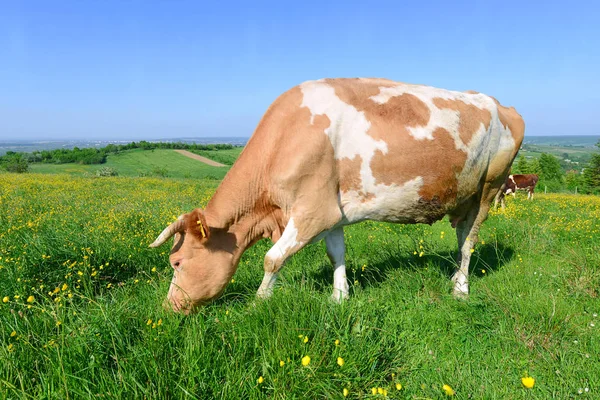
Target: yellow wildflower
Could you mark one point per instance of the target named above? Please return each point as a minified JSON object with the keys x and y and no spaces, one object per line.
{"x":30,"y":299}
{"x":305,"y":360}
{"x":58,"y":323}
{"x":305,"y":339}
{"x":528,"y":382}
{"x":149,"y":322}
{"x":340,"y":361}
{"x":398,"y":386}
{"x":64,"y":287}
{"x":260,"y":380}
{"x":5,"y":299}
{"x":448,"y":390}
{"x":345,"y":392}
{"x":281,"y":363}
{"x":159,"y":322}
{"x":337,"y":342}
{"x":13,"y":334}
{"x":374,"y":390}
{"x":154,"y":269}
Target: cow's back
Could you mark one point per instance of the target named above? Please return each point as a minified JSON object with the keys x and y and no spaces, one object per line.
{"x":391,"y":151}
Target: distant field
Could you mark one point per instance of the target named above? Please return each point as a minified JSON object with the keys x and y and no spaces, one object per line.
{"x":563,"y":141}
{"x":135,"y":163}
{"x":577,"y":155}
{"x":226,"y":157}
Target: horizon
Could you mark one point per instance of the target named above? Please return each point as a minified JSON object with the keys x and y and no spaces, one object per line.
{"x":153,"y":70}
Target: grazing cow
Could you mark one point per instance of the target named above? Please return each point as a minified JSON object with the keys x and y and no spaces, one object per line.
{"x":334,"y":152}
{"x":517,"y":182}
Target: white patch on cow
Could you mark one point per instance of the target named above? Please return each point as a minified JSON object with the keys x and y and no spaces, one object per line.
{"x":394,"y":203}
{"x":348,"y":131}
{"x":286,"y":242}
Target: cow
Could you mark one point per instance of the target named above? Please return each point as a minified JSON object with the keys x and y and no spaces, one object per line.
{"x":516,"y":182}
{"x":334,"y":152}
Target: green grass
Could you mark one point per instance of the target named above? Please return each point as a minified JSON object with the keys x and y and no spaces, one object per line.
{"x":134,"y":163}
{"x":226,"y":157}
{"x":534,"y":297}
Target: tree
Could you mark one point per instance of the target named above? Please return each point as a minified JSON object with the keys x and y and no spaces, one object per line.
{"x":591,"y":174}
{"x":550,"y":168}
{"x":522,"y":166}
{"x":15,"y":162}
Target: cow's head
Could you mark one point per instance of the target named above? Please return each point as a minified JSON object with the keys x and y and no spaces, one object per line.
{"x":202,"y":260}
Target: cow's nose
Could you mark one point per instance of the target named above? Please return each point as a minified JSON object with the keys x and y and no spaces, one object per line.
{"x":176,"y":263}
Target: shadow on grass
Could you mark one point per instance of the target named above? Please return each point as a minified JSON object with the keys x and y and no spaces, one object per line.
{"x":488,"y":258}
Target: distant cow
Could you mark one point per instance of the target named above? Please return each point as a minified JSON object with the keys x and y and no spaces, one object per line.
{"x":335,"y":152}
{"x":517,"y":182}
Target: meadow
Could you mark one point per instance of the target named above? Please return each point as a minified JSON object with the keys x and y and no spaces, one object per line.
{"x":81,"y":295}
{"x":136,"y":163}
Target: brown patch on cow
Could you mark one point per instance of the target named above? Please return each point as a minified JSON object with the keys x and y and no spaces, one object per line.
{"x":471,"y":117}
{"x":408,"y":158}
{"x":349,"y":173}
{"x":471,"y":92}
{"x":509,"y":117}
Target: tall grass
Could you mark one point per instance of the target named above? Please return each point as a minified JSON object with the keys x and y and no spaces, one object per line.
{"x":95,"y":328}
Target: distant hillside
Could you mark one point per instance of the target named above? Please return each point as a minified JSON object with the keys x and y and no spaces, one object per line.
{"x":563,"y":141}
{"x":29,"y":146}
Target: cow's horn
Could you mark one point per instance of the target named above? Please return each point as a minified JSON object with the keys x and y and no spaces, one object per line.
{"x":177,"y":226}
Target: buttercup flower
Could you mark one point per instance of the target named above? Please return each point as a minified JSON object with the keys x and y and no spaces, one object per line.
{"x":305,"y":360}
{"x":448,"y":390}
{"x":528,"y":382}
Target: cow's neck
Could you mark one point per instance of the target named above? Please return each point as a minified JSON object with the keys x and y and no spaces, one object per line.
{"x":241,"y":206}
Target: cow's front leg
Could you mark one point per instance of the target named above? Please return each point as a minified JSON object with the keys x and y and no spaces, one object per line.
{"x":287,"y":245}
{"x":336,"y":252}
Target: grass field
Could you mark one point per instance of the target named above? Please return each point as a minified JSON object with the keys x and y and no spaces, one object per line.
{"x":226,"y":157}
{"x":134,"y":163}
{"x":81,"y":294}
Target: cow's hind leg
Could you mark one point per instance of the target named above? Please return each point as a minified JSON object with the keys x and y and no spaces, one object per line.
{"x":467,"y":232}
{"x":336,"y":252}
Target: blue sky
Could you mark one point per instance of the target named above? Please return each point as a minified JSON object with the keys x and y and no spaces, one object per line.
{"x":159,"y":69}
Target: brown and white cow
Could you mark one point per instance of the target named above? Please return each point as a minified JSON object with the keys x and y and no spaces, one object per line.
{"x":334,"y":152}
{"x":517,"y":182}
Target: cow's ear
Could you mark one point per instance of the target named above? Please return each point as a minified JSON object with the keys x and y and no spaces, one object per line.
{"x":196,"y":224}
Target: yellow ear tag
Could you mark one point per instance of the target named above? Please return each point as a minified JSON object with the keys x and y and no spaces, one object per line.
{"x":201,"y":228}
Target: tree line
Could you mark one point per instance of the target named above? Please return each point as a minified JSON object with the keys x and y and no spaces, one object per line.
{"x":19,"y":161}
{"x":555,"y":178}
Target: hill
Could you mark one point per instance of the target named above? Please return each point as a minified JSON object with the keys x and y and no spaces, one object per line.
{"x":136,"y":163}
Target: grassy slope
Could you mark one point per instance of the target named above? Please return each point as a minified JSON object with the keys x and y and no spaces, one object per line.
{"x":531,"y":310}
{"x":226,"y":157}
{"x":139,"y":162}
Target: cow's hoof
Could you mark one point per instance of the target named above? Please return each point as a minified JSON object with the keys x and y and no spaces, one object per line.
{"x":338,"y":296}
{"x":461,"y":295}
